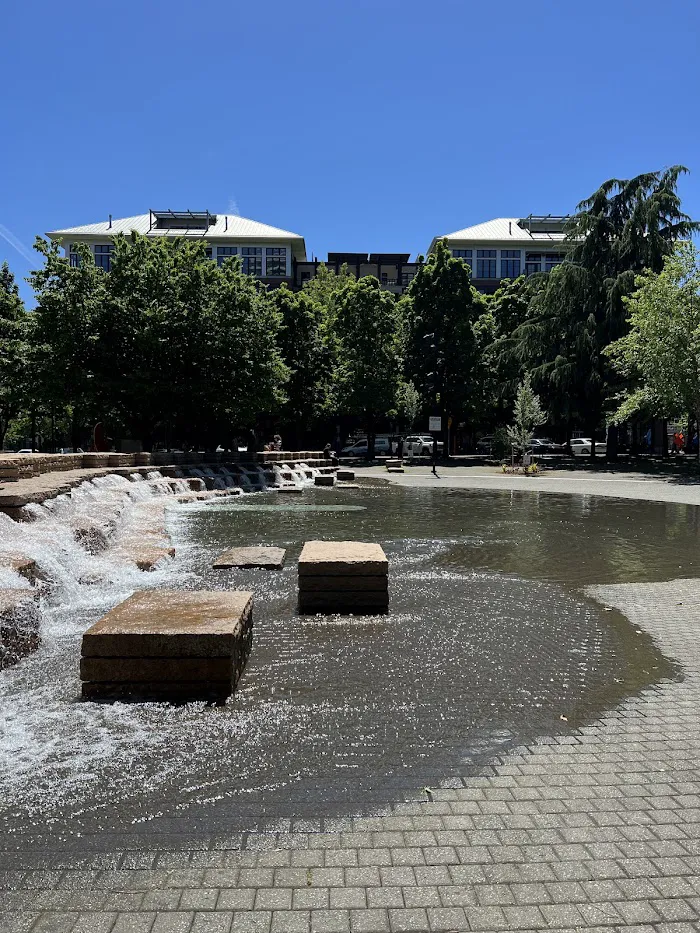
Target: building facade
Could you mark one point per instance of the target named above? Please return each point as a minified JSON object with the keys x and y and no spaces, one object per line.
{"x":266,"y":252}
{"x":507,"y":247}
{"x":393,"y":270}
{"x":498,"y":249}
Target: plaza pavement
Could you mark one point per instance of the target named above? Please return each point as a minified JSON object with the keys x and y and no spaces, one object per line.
{"x":595,"y":830}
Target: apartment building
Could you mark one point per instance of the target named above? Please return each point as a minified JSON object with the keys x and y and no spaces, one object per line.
{"x":266,"y":252}
{"x":507,"y":247}
{"x":393,"y":270}
{"x":497,"y":249}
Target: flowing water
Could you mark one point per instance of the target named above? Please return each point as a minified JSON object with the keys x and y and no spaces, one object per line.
{"x":489,"y":642}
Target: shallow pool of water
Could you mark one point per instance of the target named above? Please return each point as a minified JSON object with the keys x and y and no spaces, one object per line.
{"x":489,"y":642}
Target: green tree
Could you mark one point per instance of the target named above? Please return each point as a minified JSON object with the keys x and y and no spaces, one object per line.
{"x":368,"y":369}
{"x":69,"y":300}
{"x":527,"y":415}
{"x":660,"y":354}
{"x":304,"y":347}
{"x":441,"y":348}
{"x":14,"y":333}
{"x":408,"y":403}
{"x":626,"y":226}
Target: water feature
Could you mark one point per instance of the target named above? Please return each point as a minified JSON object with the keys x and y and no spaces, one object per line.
{"x":490,"y":641}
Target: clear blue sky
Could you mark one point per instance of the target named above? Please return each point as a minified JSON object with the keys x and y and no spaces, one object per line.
{"x":363,"y":125}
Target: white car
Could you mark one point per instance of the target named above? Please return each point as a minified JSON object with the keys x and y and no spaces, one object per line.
{"x":359,"y":449}
{"x":581,"y":447}
{"x":422,"y":444}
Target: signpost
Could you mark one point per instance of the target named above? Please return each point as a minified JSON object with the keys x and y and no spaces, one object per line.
{"x":434,"y":425}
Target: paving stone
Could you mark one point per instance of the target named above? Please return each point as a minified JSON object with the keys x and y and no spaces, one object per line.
{"x":269,"y":558}
{"x":408,"y":921}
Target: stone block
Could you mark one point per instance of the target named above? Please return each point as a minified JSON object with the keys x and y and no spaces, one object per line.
{"x":19,"y":625}
{"x":215,"y":691}
{"x":393,"y":462}
{"x":395,"y":469}
{"x":146,"y":557}
{"x":24,"y":566}
{"x":270,"y":558}
{"x":343,"y":601}
{"x":155,"y":670}
{"x":345,"y":474}
{"x":172,"y":624}
{"x":349,"y":584}
{"x":325,"y":479}
{"x":342,"y":558}
{"x":290,"y":489}
{"x":90,"y":535}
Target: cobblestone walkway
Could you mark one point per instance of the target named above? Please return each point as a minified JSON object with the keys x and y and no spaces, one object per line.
{"x":597,"y":830}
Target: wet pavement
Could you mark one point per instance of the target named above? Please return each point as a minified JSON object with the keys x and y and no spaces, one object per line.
{"x":505,"y":750}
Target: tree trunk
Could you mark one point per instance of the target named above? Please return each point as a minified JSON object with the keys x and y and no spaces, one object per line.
{"x":664,"y":439}
{"x":611,"y":446}
{"x":689,"y":435}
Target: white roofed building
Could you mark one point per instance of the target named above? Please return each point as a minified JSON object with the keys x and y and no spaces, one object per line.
{"x":507,"y":247}
{"x":267,"y":252}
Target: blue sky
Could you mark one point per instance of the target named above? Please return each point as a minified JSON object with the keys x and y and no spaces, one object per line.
{"x":363,"y":125}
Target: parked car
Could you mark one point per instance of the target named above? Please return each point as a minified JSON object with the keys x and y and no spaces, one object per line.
{"x":70,"y":450}
{"x":27,"y":450}
{"x":543,"y":445}
{"x":359,"y":448}
{"x":422,"y":444}
{"x":581,"y":447}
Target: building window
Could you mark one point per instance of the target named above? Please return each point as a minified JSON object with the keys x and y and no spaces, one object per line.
{"x":73,"y":257}
{"x":486,"y":264}
{"x":465,"y":254}
{"x":252,"y":260}
{"x":406,"y":278}
{"x":207,"y":252}
{"x":385,"y":278}
{"x":275,"y":261}
{"x":533,"y":263}
{"x":510,"y":263}
{"x":103,"y":257}
{"x":305,"y":276}
{"x":224,"y":252}
{"x":551,"y":260}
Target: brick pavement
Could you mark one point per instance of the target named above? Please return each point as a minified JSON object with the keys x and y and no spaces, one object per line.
{"x":596,"y":830}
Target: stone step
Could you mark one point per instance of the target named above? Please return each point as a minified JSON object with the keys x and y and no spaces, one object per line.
{"x":270,"y":558}
{"x":290,"y":490}
{"x":325,"y":479}
{"x":345,"y":474}
{"x":24,"y":566}
{"x":342,"y":601}
{"x":169,"y":645}
{"x":146,"y":557}
{"x":342,"y":558}
{"x":155,"y":670}
{"x":19,"y":624}
{"x":330,"y":583}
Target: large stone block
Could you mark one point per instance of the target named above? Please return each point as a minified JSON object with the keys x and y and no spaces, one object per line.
{"x":343,"y":601}
{"x":324,"y":480}
{"x":342,"y":558}
{"x":270,"y":558}
{"x":155,"y":670}
{"x":345,"y":474}
{"x":334,"y":584}
{"x":172,"y":624}
{"x":215,"y":691}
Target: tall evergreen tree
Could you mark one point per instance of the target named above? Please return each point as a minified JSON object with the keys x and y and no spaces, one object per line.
{"x":368,"y":371}
{"x":441,"y":349}
{"x":622,"y":228}
{"x":305,"y":351}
